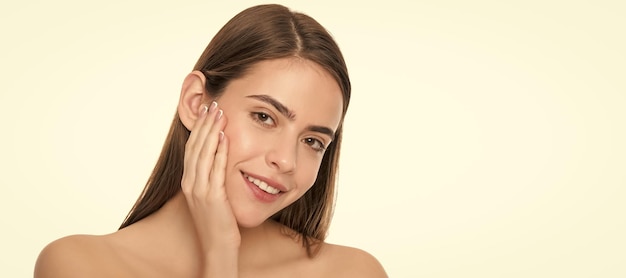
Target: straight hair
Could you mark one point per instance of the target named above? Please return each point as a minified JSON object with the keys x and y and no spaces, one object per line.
{"x":256,"y":34}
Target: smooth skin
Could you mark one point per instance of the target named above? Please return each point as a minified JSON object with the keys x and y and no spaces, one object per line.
{"x":216,"y":227}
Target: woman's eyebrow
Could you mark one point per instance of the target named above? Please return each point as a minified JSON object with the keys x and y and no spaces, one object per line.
{"x":289,"y":114}
{"x":323,"y":130}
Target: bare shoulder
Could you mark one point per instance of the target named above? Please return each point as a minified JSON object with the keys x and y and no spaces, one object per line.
{"x":71,"y":256}
{"x":344,"y":261}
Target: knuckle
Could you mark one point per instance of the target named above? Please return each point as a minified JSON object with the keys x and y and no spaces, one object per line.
{"x":188,"y":145}
{"x":186,"y":189}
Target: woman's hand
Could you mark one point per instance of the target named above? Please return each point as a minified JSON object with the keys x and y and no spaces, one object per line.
{"x":203,"y":187}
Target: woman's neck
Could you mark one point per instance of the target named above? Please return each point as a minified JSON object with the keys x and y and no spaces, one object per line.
{"x":172,"y":229}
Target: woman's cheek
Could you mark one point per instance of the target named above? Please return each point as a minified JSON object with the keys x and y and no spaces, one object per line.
{"x":246,"y":141}
{"x":310,"y":168}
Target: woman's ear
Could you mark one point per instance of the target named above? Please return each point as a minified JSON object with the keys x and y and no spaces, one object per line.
{"x":192,"y":97}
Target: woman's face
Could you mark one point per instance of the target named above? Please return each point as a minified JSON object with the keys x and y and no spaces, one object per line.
{"x":281,"y":116}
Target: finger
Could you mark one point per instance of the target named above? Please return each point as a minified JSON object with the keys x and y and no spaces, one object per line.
{"x":200,"y":130}
{"x":193,"y":144}
{"x":189,"y":157}
{"x":207,"y":153}
{"x":218,"y":172}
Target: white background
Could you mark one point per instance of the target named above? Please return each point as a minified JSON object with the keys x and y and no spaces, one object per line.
{"x":484,"y":138}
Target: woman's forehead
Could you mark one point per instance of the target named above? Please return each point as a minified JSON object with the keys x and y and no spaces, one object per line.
{"x":302,"y":86}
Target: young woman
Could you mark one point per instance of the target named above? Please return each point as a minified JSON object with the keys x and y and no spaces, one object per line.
{"x":244,"y":186}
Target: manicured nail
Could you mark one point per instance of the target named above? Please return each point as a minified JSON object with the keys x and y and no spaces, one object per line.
{"x":221,"y":135}
{"x":204,"y":109}
{"x":213,"y":106}
{"x":219,"y":114}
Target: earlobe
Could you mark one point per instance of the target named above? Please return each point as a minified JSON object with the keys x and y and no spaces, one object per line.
{"x":192,"y":97}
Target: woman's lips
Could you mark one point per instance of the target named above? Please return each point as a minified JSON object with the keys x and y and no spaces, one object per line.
{"x":262,"y":185}
{"x":263,"y":191}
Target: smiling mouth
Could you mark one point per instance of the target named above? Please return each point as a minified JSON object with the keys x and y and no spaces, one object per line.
{"x":262,"y":185}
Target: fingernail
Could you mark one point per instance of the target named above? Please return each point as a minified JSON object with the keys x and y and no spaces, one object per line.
{"x":213,"y":106}
{"x":204,"y":109}
{"x":219,"y":114}
{"x":221,"y":135}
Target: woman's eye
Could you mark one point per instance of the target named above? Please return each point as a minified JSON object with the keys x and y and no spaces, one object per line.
{"x":315,"y":144}
{"x":263,"y":118}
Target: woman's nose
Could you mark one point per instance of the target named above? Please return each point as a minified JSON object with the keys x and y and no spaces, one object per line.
{"x":282,"y":156}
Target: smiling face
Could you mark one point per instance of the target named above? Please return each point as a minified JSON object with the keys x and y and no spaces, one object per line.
{"x":281,"y":116}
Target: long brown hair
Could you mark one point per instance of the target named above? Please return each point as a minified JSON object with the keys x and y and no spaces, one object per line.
{"x":259,"y":33}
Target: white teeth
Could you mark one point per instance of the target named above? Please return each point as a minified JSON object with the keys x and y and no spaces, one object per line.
{"x":263,"y":185}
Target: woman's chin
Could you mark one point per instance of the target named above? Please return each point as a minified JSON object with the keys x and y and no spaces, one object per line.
{"x":249,"y":220}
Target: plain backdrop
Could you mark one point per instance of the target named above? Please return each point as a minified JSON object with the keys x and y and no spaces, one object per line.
{"x":484,"y":138}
